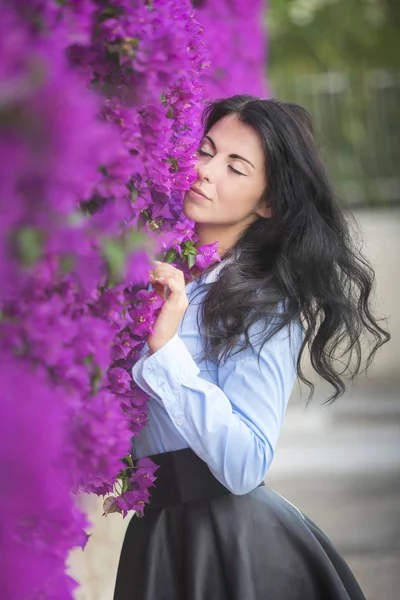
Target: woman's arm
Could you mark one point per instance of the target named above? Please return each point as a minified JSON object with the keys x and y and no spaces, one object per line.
{"x":234,"y":426}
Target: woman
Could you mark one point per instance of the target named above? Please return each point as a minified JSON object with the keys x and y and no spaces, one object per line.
{"x":222,"y":361}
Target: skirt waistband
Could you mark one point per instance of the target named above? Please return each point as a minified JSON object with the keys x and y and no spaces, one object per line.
{"x":182,"y":477}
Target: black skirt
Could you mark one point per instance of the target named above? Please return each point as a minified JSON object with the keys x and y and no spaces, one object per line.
{"x":197,"y":541}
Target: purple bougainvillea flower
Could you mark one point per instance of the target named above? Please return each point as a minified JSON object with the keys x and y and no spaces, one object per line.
{"x":207,"y":255}
{"x":100,"y":117}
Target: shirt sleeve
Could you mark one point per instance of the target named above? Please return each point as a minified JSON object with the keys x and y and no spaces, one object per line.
{"x":233,"y":426}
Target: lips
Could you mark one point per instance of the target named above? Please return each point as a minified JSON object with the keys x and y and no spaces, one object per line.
{"x":198,"y":192}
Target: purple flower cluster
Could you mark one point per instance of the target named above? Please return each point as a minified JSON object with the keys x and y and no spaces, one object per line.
{"x":39,"y":521}
{"x":236,"y":42}
{"x":100,"y":105}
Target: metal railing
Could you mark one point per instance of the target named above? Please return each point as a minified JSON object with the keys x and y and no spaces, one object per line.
{"x":357,"y":120}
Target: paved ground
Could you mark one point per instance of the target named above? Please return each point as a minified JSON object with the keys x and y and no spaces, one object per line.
{"x":341,"y":466}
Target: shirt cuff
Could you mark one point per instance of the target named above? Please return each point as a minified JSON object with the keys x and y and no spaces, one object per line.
{"x":137,"y":374}
{"x":167,"y":369}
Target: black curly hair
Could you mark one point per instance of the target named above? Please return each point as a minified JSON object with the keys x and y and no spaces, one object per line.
{"x":303,"y":257}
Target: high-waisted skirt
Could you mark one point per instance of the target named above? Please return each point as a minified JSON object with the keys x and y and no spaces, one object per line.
{"x":198,"y":541}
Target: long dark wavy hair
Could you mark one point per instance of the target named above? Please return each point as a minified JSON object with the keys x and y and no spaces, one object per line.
{"x":303,"y":258}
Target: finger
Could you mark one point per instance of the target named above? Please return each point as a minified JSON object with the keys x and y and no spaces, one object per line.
{"x":158,"y":263}
{"x":175,"y":285}
{"x":166,"y":266}
{"x":164,"y":270}
{"x":171,"y":288}
{"x":162,"y":278}
{"x":174,"y":282}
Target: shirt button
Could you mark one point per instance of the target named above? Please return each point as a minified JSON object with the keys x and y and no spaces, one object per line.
{"x":179,"y":421}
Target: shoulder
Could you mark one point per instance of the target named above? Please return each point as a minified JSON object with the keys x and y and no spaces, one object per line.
{"x":269,"y":349}
{"x":272,"y":330}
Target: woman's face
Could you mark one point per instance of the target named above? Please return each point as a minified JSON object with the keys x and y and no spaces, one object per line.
{"x":231,"y":177}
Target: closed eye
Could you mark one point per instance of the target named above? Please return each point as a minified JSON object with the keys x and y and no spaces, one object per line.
{"x":237,"y":172}
{"x":202,"y":153}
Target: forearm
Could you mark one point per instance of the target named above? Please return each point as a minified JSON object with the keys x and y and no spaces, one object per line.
{"x":236,"y":451}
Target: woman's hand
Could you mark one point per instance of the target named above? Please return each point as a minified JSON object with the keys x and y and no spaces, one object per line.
{"x":174,"y":307}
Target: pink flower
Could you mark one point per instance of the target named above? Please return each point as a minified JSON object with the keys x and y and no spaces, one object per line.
{"x":207,"y":255}
{"x":100,"y":116}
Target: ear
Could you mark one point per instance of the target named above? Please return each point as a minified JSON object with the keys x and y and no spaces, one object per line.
{"x":264,"y":211}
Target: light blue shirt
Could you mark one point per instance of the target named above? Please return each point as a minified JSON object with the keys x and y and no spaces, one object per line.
{"x":230,"y":415}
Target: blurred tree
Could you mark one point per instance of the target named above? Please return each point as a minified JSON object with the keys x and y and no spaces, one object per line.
{"x":321,"y":35}
{"x":340,"y":59}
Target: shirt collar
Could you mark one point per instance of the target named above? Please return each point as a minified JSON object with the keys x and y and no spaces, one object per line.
{"x":213,"y":275}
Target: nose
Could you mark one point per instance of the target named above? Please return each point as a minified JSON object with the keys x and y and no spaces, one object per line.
{"x":206,"y":171}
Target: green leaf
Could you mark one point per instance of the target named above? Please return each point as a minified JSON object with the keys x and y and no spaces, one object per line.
{"x":66,"y":263}
{"x":96,"y":379}
{"x":189,"y":249}
{"x":128,"y":459}
{"x":125,"y":485}
{"x":171,"y":256}
{"x":189,"y":245}
{"x":133,"y":239}
{"x":107,"y":13}
{"x":132,"y":41}
{"x":114,"y":255}
{"x":88,"y":360}
{"x":76,"y":218}
{"x":29,"y":245}
{"x":134,"y":194}
{"x":170,"y":113}
{"x":174,"y":164}
{"x":116,"y":251}
{"x":163,"y":99}
{"x":191,"y":260}
{"x":123,"y":473}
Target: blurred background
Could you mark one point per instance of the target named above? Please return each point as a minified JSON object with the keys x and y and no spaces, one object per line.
{"x":339,"y":464}
{"x":340,"y":59}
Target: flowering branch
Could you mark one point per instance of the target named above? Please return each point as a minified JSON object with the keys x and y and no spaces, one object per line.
{"x":100,"y":105}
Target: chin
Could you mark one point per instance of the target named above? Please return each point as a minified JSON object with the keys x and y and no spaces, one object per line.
{"x":195,"y":211}
{"x":185,"y":208}
{"x":190,"y":210}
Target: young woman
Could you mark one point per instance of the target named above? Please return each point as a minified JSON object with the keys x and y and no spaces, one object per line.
{"x":222,"y":361}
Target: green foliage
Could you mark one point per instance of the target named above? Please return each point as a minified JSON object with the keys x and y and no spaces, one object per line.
{"x":134,"y":194}
{"x":340,"y":59}
{"x":116,"y":251}
{"x":320,"y":35}
{"x":29,"y":245}
{"x":171,"y":256}
{"x":189,"y":252}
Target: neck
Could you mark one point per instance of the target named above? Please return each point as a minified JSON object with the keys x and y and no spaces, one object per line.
{"x":207,"y":234}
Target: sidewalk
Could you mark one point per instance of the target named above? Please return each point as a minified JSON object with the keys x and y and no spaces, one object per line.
{"x":341,"y":466}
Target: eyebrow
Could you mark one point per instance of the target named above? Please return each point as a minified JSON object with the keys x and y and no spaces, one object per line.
{"x":207,"y":137}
